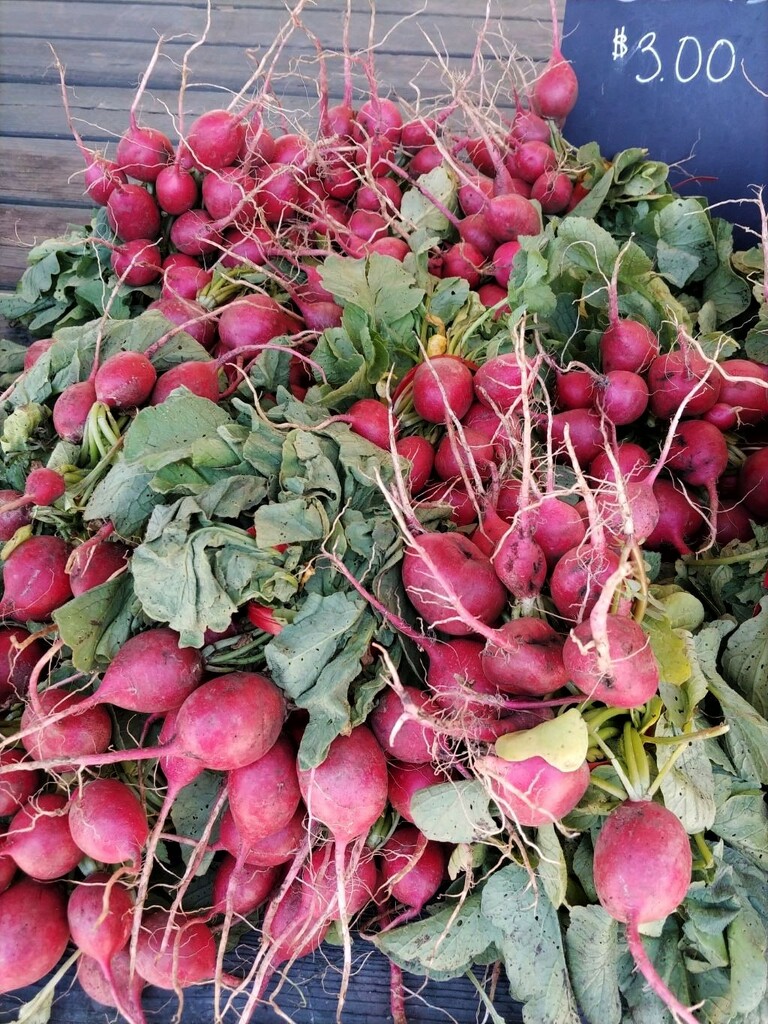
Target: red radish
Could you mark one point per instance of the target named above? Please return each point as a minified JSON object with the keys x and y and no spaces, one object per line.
{"x":745,"y":389}
{"x":7,"y":872}
{"x":187,"y":959}
{"x":383,"y":194}
{"x":633,"y":462}
{"x":491,"y":530}
{"x":90,"y":565}
{"x":629,"y":516}
{"x":71,"y":409}
{"x":474,"y":231}
{"x":34,"y":934}
{"x":378,"y":118}
{"x":532,"y":792}
{"x":612,"y":662}
{"x":622,"y":395}
{"x":247,"y":886}
{"x":527,"y":660}
{"x":264,"y":794}
{"x":733,"y":523}
{"x":556,"y":89}
{"x":500,"y":428}
{"x":202,"y":379}
{"x":575,"y":389}
{"x":176,"y":190}
{"x":412,"y":867}
{"x":464,"y":260}
{"x":137,"y":263}
{"x":407,"y":779}
{"x":214,"y":139}
{"x":14,"y":513}
{"x":508,"y":499}
{"x":101,"y":179}
{"x":19,"y":654}
{"x":35,"y":578}
{"x":534,"y":158}
{"x":445,"y":571}
{"x":584,"y":428}
{"x":274,"y":849}
{"x":509,"y":216}
{"x":421,"y":456}
{"x":699,"y":456}
{"x":252,"y":320}
{"x":86,"y":729}
{"x":99,"y":915}
{"x":247,"y":247}
{"x":16,"y":787}
{"x":520,"y":564}
{"x":151,"y":673}
{"x":723,"y":416}
{"x":498,"y":382}
{"x":35,"y":351}
{"x":230,"y":195}
{"x":469,"y":453}
{"x":189,"y":316}
{"x":195,"y":233}
{"x":642,"y":868}
{"x":454,"y":494}
{"x":42,"y":487}
{"x":348,"y":790}
{"x":123,"y":990}
{"x":627,"y":345}
{"x":401,"y":736}
{"x":503,"y":261}
{"x":558,"y":528}
{"x":553,"y":190}
{"x":143,"y":152}
{"x":370,"y":419}
{"x":753,"y":483}
{"x":39,"y":840}
{"x":682,"y":375}
{"x":475,"y":193}
{"x":230,"y":721}
{"x":527,"y":125}
{"x":125,"y":380}
{"x":278,"y":193}
{"x":319,"y":878}
{"x":442,"y":386}
{"x":396,"y":248}
{"x":680,"y":519}
{"x":578,"y":579}
{"x":133,"y":213}
{"x":108,"y":822}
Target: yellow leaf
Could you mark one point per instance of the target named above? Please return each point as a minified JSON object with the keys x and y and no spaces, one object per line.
{"x":562,"y":742}
{"x":669,"y":649}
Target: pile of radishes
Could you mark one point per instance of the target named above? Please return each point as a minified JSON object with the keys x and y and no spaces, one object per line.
{"x":527,"y":493}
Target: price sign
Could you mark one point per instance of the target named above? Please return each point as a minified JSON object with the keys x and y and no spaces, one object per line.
{"x":685,"y":79}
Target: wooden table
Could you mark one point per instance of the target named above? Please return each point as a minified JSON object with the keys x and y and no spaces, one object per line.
{"x":105,"y":46}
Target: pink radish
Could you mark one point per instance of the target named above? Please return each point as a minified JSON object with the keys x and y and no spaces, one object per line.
{"x":39,"y":839}
{"x":125,"y":380}
{"x":642,"y":869}
{"x":16,"y":788}
{"x":407,"y":779}
{"x":90,"y":565}
{"x":188,"y":959}
{"x":532,"y":792}
{"x":71,"y":409}
{"x":83,"y":729}
{"x":556,"y":89}
{"x":442,"y":386}
{"x":19,"y":654}
{"x":528,"y":659}
{"x":612,"y":662}
{"x":214,"y":139}
{"x":108,"y":822}
{"x":264,"y":795}
{"x":412,"y":867}
{"x":35,"y":578}
{"x":402,"y":737}
{"x":34,"y":933}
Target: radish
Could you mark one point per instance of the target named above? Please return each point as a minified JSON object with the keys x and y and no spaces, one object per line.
{"x":42,"y":487}
{"x":151,"y":673}
{"x":622,"y":396}
{"x":264,"y":794}
{"x":90,"y":564}
{"x":558,"y":528}
{"x":16,"y":788}
{"x":247,"y":886}
{"x":498,"y":383}
{"x":189,"y":316}
{"x":19,"y":654}
{"x":527,"y":660}
{"x":35,"y":578}
{"x":123,"y":991}
{"x":36,"y":350}
{"x":642,"y":869}
{"x":421,"y":457}
{"x":278,"y":195}
{"x":108,"y":822}
{"x":39,"y":839}
{"x":125,"y":380}
{"x":454,"y":494}
{"x":137,"y":263}
{"x":7,"y":872}
{"x":143,"y":152}
{"x":360,"y":882}
{"x":71,"y":409}
{"x":753,"y":483}
{"x":575,"y":389}
{"x":745,"y":389}
{"x":680,"y":519}
{"x":369,"y":418}
{"x":612,"y":661}
{"x":253,"y":247}
{"x":202,"y":379}
{"x":13,"y":513}
{"x":230,"y":195}
{"x":520,"y":563}
{"x":99,"y":914}
{"x":468,"y":455}
{"x":133,"y":213}
{"x":553,"y":191}
{"x":188,"y":959}
{"x":682,"y":375}
{"x":534,"y":158}
{"x":632,"y":460}
{"x":196,"y":233}
{"x":509,"y":216}
{"x":412,"y":866}
{"x":34,"y":933}
{"x":526,"y":125}
{"x":532,"y":792}
{"x":464,"y":260}
{"x":556,"y":90}
{"x":176,"y":190}
{"x":252,"y":320}
{"x":51,"y":734}
{"x":578,"y":579}
{"x":276,"y":848}
{"x":445,"y":573}
{"x":442,"y":386}
{"x":401,"y":736}
{"x":584,"y":428}
{"x":699,"y":456}
{"x":215,"y":139}
{"x":407,"y":779}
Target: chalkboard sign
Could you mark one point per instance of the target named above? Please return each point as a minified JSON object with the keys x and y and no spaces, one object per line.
{"x":683,"y":79}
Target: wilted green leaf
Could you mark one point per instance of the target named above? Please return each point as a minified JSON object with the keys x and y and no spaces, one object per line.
{"x":592,"y":952}
{"x":454,"y":812}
